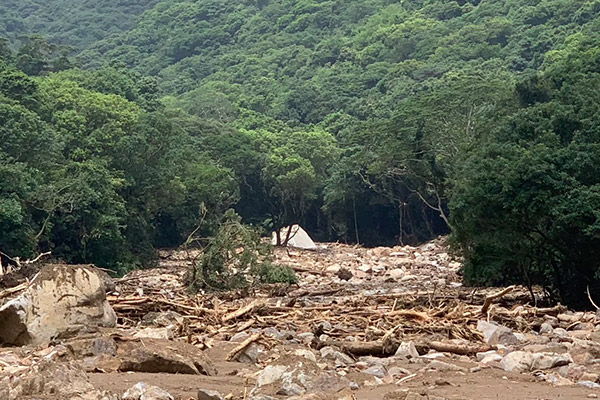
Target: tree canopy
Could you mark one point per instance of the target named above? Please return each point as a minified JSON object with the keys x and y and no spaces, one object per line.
{"x":127,"y":127}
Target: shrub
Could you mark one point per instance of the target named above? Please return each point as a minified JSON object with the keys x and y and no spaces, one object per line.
{"x":236,"y":257}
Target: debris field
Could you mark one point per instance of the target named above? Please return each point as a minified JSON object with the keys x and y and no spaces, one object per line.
{"x":378,"y":323}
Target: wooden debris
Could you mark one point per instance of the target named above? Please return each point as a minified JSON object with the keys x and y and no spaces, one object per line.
{"x":411,"y":314}
{"x":233,"y":354}
{"x":13,"y":290}
{"x":241,"y":311}
{"x":490,"y":299}
{"x":377,"y":348}
{"x":462,"y":349}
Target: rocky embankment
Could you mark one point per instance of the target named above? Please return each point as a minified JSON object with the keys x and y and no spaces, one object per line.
{"x":382,"y":323}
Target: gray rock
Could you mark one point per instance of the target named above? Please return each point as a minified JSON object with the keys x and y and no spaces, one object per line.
{"x":517,"y":361}
{"x":376,"y":370}
{"x":271,"y":374}
{"x":250,"y":354}
{"x":546,"y":329}
{"x":324,"y":326}
{"x":560,"y":333}
{"x":143,"y":391}
{"x":270,"y":331}
{"x":407,"y":350}
{"x":289,"y":388}
{"x":329,"y":353}
{"x":104,"y":345}
{"x":398,"y":372}
{"x":239,"y":337}
{"x":155,"y":333}
{"x":306,"y":337}
{"x":444,"y":366}
{"x":157,"y":356}
{"x":542,"y":361}
{"x":204,"y":394}
{"x":490,"y":358}
{"x":61,"y":302}
{"x":496,"y":334}
{"x":354,"y":386}
{"x":306,"y":354}
{"x":589,"y":384}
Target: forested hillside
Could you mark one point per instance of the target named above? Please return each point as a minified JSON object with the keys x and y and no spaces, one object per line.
{"x":371,"y":121}
{"x":72,"y":23}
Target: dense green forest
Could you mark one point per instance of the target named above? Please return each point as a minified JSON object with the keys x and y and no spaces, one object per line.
{"x":126,"y":127}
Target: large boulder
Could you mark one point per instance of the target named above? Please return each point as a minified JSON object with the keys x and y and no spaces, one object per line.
{"x":62,"y":301}
{"x":156,"y":356}
{"x":50,"y":379}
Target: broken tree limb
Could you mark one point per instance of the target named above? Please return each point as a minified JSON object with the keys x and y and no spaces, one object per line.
{"x":590,"y":298}
{"x":461,"y":349}
{"x":490,"y":299}
{"x":358,"y":349}
{"x":410,"y":314}
{"x":16,"y":289}
{"x":241,"y":311}
{"x":233,"y":354}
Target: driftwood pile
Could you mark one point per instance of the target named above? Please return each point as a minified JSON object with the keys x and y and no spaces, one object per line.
{"x":369,"y":314}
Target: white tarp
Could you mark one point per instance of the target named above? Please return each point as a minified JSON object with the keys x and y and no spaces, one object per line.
{"x":298,"y":238}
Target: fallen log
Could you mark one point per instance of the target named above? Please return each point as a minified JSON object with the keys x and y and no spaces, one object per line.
{"x":241,"y":311}
{"x":377,"y":348}
{"x":461,"y":349}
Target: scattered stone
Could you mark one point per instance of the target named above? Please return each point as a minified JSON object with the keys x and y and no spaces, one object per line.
{"x":250,"y":354}
{"x":407,"y":350}
{"x":544,"y":361}
{"x":290,"y":388}
{"x":396,"y":274}
{"x":443,"y":366}
{"x":517,"y":361}
{"x":376,"y":370}
{"x":155,"y":333}
{"x":204,"y":394}
{"x":490,"y":358}
{"x":560,"y":333}
{"x":397,"y":372}
{"x":495,"y":334}
{"x":306,"y":354}
{"x":329,"y":353}
{"x":589,"y":384}
{"x":239,"y":337}
{"x":270,"y":375}
{"x":143,"y":391}
{"x":344,"y":274}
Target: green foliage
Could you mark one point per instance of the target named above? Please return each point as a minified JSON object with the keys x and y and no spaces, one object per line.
{"x":236,"y":257}
{"x":269,"y":273}
{"x":96,"y":177}
{"x":526,"y":205}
